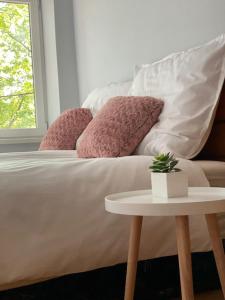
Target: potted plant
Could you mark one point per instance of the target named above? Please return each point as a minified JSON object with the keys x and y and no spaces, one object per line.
{"x":167,"y":181}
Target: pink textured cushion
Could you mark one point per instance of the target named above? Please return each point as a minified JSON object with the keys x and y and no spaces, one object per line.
{"x":65,"y":130}
{"x":119,"y":127}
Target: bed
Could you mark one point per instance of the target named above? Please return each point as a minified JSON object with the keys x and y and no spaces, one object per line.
{"x":52,"y":217}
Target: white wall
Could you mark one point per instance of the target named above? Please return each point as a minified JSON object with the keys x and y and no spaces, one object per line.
{"x":60,"y":56}
{"x":66,"y":54}
{"x":114,"y":35}
{"x":51,"y":63}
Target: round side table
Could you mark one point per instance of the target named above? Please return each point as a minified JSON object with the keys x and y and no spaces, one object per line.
{"x":200,"y":201}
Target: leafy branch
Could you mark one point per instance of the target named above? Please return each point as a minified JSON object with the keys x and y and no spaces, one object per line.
{"x":17,"y":40}
{"x":16,"y":73}
{"x":14,"y":114}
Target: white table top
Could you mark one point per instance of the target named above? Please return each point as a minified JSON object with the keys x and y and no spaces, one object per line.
{"x":204,"y":200}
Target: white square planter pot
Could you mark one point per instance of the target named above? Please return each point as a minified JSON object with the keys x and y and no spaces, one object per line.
{"x":169,"y":185}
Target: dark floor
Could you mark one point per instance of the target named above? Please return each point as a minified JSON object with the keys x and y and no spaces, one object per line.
{"x":157,"y":279}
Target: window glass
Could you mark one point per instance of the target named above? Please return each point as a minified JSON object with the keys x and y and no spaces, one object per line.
{"x":17,"y":97}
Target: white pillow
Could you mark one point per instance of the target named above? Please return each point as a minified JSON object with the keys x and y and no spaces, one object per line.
{"x":189,"y":83}
{"x":98,"y":97}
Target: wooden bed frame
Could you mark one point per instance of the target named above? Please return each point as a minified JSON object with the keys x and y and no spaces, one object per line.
{"x":215,"y":146}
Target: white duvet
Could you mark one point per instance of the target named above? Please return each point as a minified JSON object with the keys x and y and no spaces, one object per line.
{"x":53,"y":221}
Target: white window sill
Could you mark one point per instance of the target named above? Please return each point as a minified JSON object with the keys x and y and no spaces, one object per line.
{"x":20,"y":140}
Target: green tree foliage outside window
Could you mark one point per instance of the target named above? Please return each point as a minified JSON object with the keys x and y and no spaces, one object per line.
{"x":17,"y":105}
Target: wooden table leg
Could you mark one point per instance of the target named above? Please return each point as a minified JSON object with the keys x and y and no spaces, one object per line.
{"x":184,"y":255}
{"x":134,"y":243}
{"x":217,"y":246}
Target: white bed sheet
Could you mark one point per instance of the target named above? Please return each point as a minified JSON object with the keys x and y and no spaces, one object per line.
{"x":53,"y":221}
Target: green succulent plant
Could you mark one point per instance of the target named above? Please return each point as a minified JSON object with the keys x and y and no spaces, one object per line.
{"x":164,"y":163}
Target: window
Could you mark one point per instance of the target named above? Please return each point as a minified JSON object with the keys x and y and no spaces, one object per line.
{"x":21,"y":72}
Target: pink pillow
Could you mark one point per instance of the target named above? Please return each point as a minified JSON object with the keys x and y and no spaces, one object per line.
{"x":119,"y":127}
{"x":65,"y":130}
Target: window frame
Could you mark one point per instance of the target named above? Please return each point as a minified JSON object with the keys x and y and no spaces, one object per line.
{"x":32,"y":135}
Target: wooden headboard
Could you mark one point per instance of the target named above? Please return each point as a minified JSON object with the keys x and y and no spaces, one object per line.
{"x":215,"y":146}
{"x":220,"y":116}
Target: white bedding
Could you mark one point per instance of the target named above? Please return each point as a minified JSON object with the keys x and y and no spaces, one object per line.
{"x":53,"y":221}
